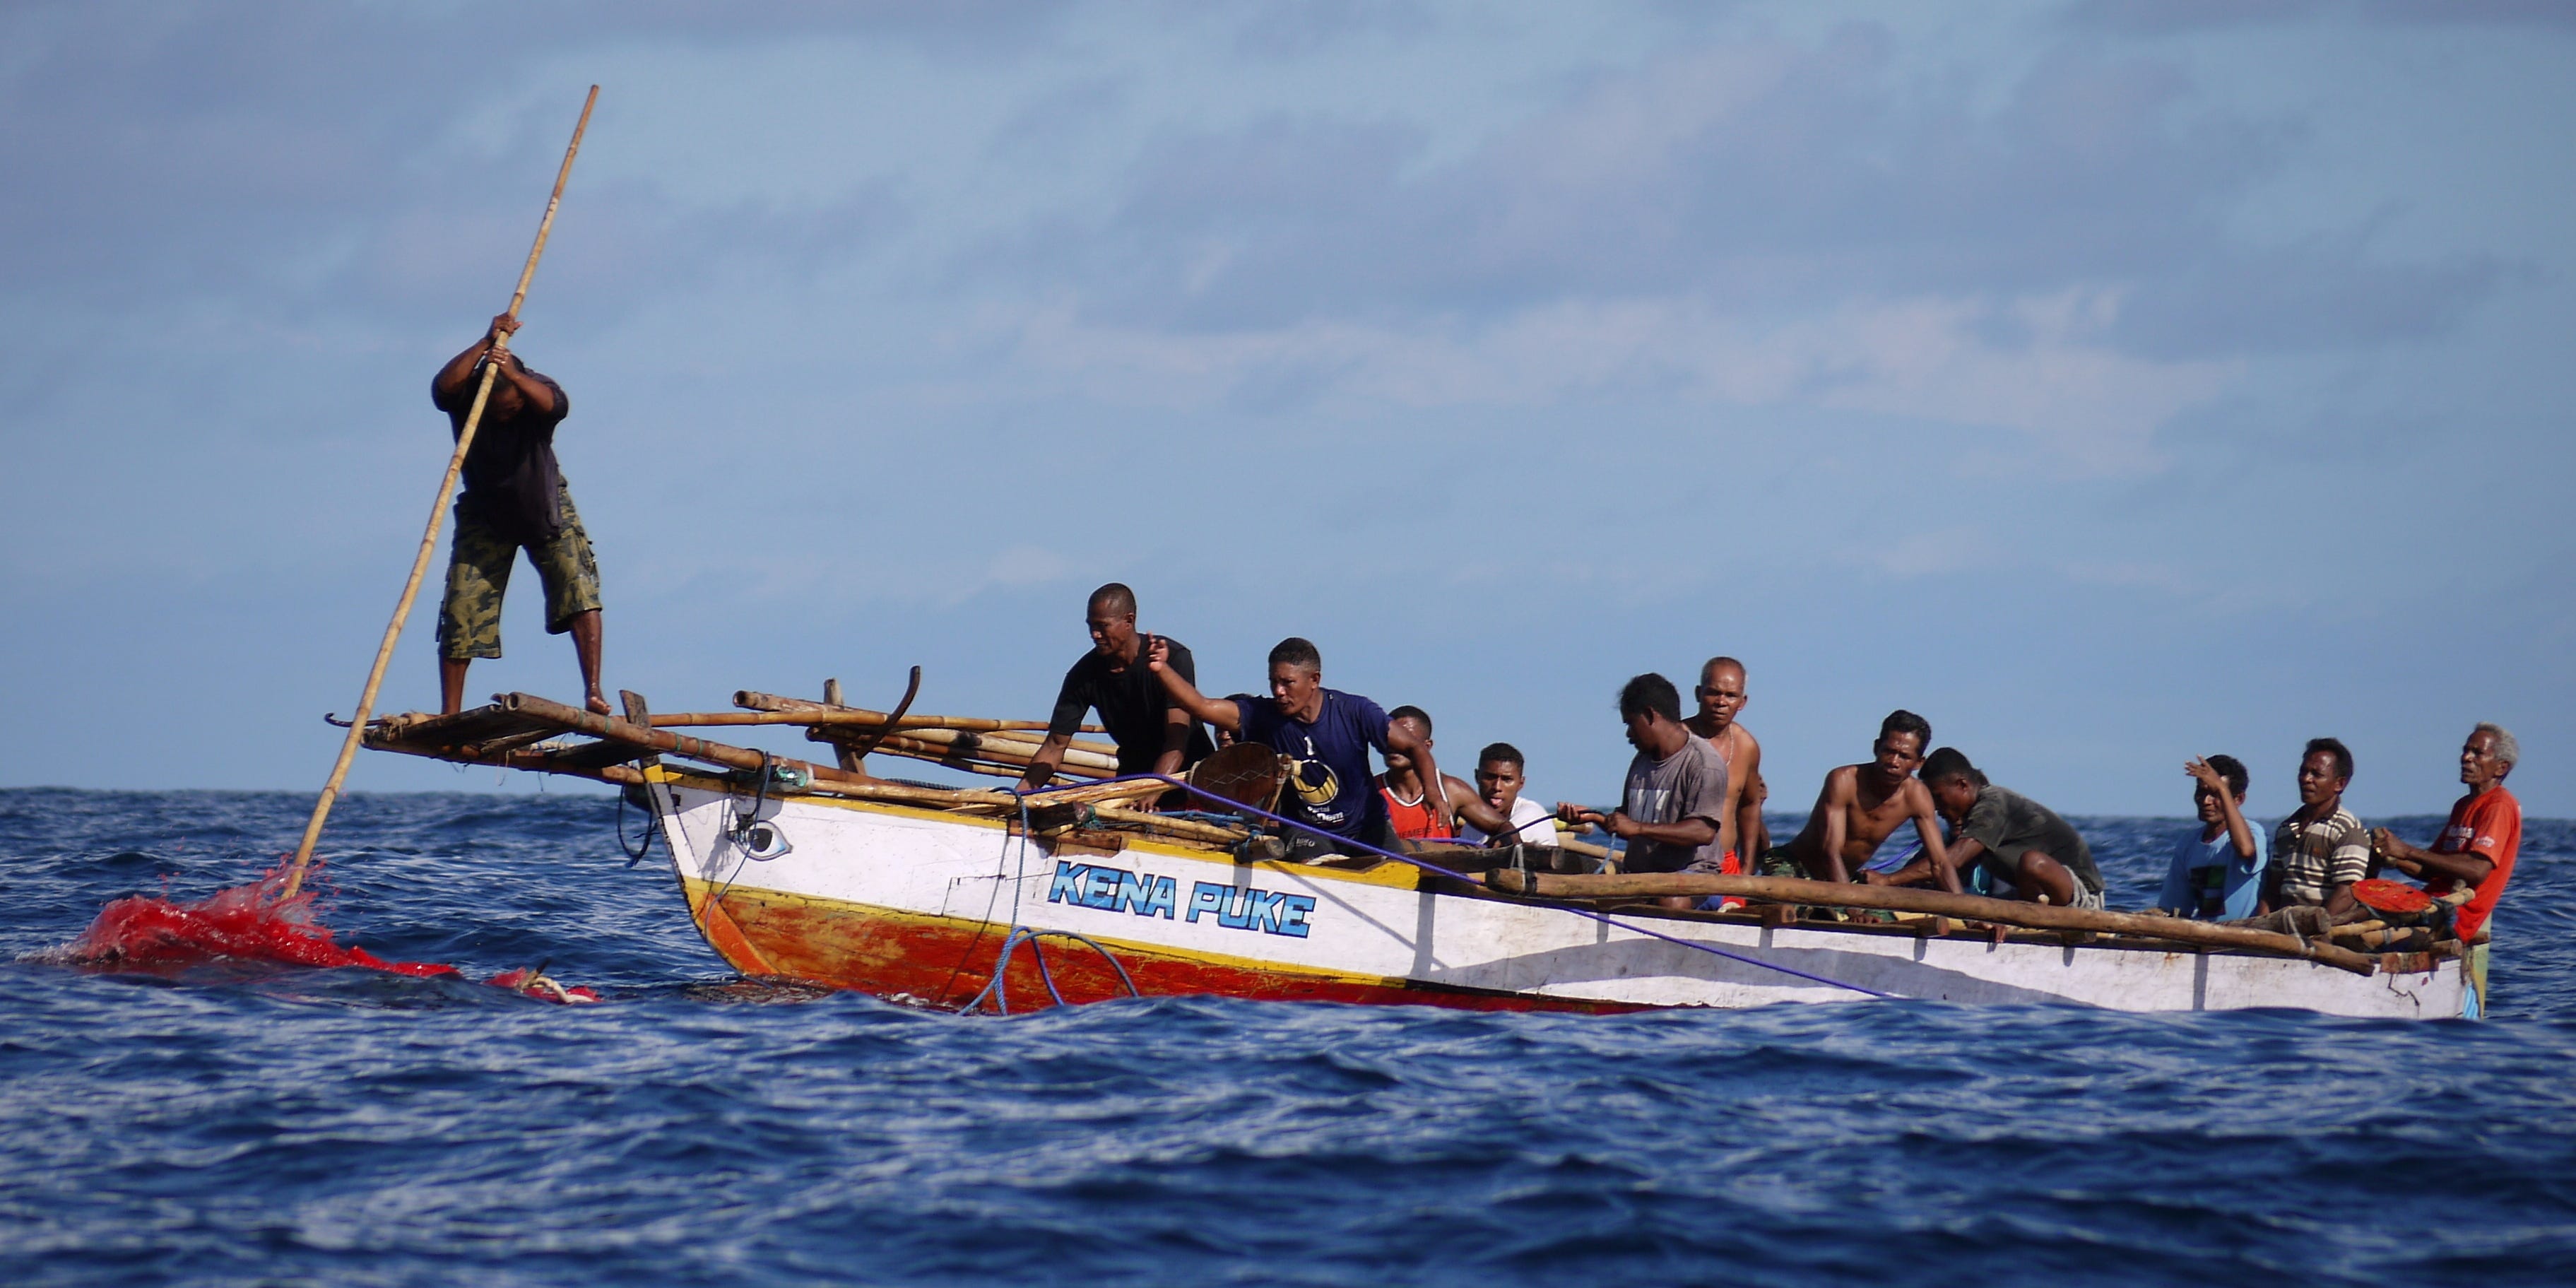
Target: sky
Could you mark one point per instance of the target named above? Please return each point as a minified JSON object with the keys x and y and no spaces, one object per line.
{"x":2110,"y":382}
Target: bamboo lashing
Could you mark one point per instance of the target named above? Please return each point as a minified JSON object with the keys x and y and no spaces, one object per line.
{"x":2008,"y":912}
{"x":578,"y":720}
{"x":437,"y":513}
{"x":850,"y":760}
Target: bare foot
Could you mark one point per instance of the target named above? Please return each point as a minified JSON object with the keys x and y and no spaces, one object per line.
{"x":599,"y":705}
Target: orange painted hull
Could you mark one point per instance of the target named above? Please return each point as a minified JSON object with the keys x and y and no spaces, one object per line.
{"x":939,"y":962}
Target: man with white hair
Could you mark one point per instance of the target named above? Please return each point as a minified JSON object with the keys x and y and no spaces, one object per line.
{"x":2473,"y":857}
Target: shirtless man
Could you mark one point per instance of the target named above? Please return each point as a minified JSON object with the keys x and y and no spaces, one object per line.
{"x":1862,"y":805}
{"x":1721,"y":695}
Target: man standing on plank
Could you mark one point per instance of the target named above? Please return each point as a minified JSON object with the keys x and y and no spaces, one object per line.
{"x":1675,"y":797}
{"x":2321,"y":850}
{"x":1326,"y":735}
{"x":2472,"y":859}
{"x":2018,"y":840}
{"x":1420,"y":813}
{"x":1154,"y":734}
{"x":1721,"y":695}
{"x":514,"y":499}
{"x":1861,"y":805}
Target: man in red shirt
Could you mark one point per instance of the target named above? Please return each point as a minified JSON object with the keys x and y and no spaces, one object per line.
{"x":1418,"y":812}
{"x":2473,"y":858}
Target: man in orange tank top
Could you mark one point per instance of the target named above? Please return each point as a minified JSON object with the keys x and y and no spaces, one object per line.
{"x":1419,"y":815}
{"x":2472,"y":859}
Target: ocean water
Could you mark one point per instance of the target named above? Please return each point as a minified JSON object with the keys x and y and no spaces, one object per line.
{"x":265,"y":1125}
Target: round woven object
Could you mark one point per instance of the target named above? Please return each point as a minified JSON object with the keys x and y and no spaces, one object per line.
{"x":2380,"y":895}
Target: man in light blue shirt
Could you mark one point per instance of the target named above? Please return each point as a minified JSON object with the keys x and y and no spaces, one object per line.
{"x":2217,"y":872}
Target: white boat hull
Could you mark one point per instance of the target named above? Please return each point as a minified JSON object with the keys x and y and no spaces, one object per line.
{"x":916,"y":904}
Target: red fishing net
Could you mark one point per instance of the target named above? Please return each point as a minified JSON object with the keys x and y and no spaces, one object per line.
{"x":251,"y":923}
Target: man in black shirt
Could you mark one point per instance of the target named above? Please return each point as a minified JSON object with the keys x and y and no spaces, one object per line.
{"x":1154,"y":734}
{"x":2028,"y":851}
{"x":514,"y":500}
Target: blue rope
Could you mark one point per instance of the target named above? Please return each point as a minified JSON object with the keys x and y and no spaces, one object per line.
{"x":1603,"y":918}
{"x":1000,"y":993}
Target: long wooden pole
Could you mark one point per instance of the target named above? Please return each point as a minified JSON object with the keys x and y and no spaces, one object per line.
{"x":769,"y":708}
{"x":852,"y":716}
{"x":437,"y":513}
{"x":1938,"y":903}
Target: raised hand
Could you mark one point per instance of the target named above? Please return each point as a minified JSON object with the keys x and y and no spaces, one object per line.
{"x":2200,"y":771}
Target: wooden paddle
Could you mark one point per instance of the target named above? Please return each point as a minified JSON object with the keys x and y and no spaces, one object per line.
{"x":437,"y":513}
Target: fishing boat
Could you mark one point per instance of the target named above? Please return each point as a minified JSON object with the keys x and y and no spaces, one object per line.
{"x":829,"y":875}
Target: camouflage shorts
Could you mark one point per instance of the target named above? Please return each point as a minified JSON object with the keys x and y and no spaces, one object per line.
{"x":1778,"y":862}
{"x":478,"y":572}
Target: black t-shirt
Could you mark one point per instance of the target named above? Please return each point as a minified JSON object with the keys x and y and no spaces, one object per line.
{"x":1131,"y":704}
{"x":2010,"y":825}
{"x":510,"y":473}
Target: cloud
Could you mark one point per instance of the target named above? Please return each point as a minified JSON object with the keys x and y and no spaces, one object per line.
{"x":1287,"y":29}
{"x":2055,"y":380}
{"x":2168,"y":16}
{"x":1754,"y":222}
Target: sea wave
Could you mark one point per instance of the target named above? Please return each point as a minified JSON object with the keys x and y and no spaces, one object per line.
{"x":258,"y":1124}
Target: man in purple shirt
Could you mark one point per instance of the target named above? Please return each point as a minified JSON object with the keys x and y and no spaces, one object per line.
{"x":1326,"y":735}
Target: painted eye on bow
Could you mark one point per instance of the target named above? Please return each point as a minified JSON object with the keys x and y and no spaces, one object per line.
{"x":764,"y":841}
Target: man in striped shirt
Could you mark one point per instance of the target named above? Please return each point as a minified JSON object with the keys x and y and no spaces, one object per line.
{"x":2321,"y":850}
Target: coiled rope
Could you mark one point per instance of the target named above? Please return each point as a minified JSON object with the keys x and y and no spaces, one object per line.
{"x":652,"y":825}
{"x":1019,"y":935}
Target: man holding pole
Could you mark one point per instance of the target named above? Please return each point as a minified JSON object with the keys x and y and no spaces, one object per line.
{"x":1672,"y":808}
{"x":514,"y":499}
{"x":469,"y":425}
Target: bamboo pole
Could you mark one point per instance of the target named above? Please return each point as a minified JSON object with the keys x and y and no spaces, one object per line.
{"x":850,"y":760}
{"x":1091,"y":793}
{"x":1970,"y":907}
{"x":983,"y":746}
{"x":437,"y":513}
{"x":961,"y":766}
{"x":1191,"y":829}
{"x":825,"y":782}
{"x":769,"y":708}
{"x":968,"y":757}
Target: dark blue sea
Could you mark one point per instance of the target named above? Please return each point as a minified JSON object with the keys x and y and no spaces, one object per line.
{"x":263,"y":1125}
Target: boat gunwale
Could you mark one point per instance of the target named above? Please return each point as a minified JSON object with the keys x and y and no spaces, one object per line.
{"x":1396,"y":874}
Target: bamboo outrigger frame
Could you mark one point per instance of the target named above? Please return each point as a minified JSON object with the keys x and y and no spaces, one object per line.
{"x":523,"y":731}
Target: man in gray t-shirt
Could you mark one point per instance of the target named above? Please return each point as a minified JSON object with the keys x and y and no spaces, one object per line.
{"x":1676,"y":788}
